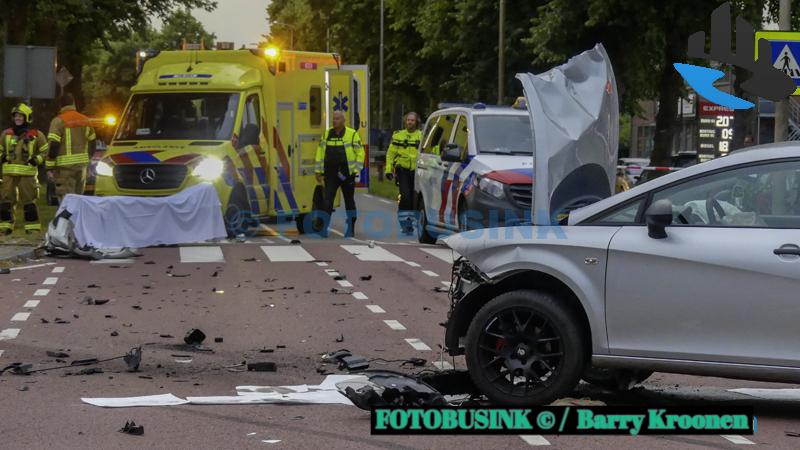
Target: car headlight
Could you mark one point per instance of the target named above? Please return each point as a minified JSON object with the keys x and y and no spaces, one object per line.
{"x":492,"y":187}
{"x":104,"y":169}
{"x":209,"y":169}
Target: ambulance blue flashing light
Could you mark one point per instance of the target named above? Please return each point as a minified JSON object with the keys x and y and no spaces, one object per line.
{"x":479,"y":105}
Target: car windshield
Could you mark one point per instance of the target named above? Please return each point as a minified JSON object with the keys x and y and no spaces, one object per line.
{"x":504,"y":134}
{"x":205,"y":116}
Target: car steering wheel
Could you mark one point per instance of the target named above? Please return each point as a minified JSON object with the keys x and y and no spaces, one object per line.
{"x":713,"y":206}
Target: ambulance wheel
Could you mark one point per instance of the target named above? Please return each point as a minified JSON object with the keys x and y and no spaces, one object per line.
{"x":423,"y":235}
{"x":237,"y":214}
{"x":317,"y":222}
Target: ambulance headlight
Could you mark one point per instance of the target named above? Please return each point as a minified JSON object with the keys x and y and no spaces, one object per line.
{"x":209,"y":169}
{"x":492,"y":187}
{"x":104,"y":169}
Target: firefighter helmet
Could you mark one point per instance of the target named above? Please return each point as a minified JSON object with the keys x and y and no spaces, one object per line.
{"x":25,"y":110}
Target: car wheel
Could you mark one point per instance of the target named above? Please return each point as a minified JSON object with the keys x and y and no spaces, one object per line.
{"x":423,"y":235}
{"x":615,"y":379}
{"x":237,"y":214}
{"x":525,"y":348}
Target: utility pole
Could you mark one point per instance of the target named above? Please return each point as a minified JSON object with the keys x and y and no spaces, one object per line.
{"x":380,"y":77}
{"x":782,"y":106}
{"x":501,"y":54}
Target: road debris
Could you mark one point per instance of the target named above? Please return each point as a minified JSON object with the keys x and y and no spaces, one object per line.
{"x":194,"y":337}
{"x":5,"y":271}
{"x":387,"y":388}
{"x":295,"y":242}
{"x":132,"y":428}
{"x":115,"y":333}
{"x":218,"y":339}
{"x":340,"y":338}
{"x":57,"y":354}
{"x":262,"y":367}
{"x":366,"y":277}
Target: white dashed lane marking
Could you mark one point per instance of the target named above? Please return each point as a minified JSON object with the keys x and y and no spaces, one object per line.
{"x":412,"y":263}
{"x":394,"y":325}
{"x":322,"y":264}
{"x":430,"y":273}
{"x":535,"y":440}
{"x":360,"y":296}
{"x":736,"y":439}
{"x":287,"y":253}
{"x":1,"y":352}
{"x":20,"y":317}
{"x":41,"y":292}
{"x":417,"y":344}
{"x":344,"y":283}
{"x":365,"y":253}
{"x":50,"y":281}
{"x":9,"y":333}
{"x":376,"y":309}
{"x":31,"y":304}
{"x":59,"y":269}
{"x":202,"y":255}
{"x":446,"y":283}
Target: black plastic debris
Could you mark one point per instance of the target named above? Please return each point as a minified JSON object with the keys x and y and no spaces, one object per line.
{"x":450,"y":382}
{"x":132,"y":428}
{"x":249,"y":260}
{"x":90,"y":371}
{"x":218,"y":339}
{"x":262,"y":367}
{"x":115,"y":333}
{"x":179,"y":275}
{"x":340,"y":338}
{"x":5,"y":271}
{"x":57,"y":354}
{"x":84,"y":362}
{"x":133,"y":358}
{"x":99,"y":301}
{"x":353,"y":362}
{"x":137,"y":307}
{"x":296,"y":241}
{"x":17,"y":368}
{"x":425,"y":308}
{"x":166,"y":336}
{"x":214,"y":274}
{"x":23,"y":388}
{"x":366,"y":277}
{"x":267,"y":350}
{"x":44,"y":320}
{"x":387,"y":388}
{"x":92,"y":286}
{"x":339,"y":277}
{"x":149,"y":262}
{"x":194,"y":337}
{"x":440,"y":289}
{"x":61,"y":321}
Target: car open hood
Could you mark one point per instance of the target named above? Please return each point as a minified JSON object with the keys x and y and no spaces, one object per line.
{"x":574,"y":112}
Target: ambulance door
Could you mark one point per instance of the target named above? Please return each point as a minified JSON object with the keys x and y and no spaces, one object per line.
{"x":250,"y":147}
{"x":285,"y":199}
{"x":360,"y":104}
{"x":338,"y":96}
{"x":308,"y":131}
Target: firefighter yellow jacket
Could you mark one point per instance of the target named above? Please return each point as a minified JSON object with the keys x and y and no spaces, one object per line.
{"x":19,"y":150}
{"x":72,"y":131}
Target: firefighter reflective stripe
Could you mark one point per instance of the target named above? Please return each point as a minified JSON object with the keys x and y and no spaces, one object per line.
{"x":90,"y":136}
{"x":68,"y":160}
{"x":54,"y":137}
{"x":33,"y":226}
{"x":18,"y":169}
{"x":67,"y":141}
{"x":352,"y":146}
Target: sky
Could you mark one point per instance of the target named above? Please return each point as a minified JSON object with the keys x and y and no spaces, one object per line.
{"x":239,"y":21}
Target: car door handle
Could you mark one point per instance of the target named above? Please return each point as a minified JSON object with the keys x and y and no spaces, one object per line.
{"x":289,"y":150}
{"x":787,"y":250}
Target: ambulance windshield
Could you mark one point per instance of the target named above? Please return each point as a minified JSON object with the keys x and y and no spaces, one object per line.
{"x":172,"y":116}
{"x":504,"y":134}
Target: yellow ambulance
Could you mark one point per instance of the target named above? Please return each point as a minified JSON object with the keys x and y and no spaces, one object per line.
{"x":248,"y":121}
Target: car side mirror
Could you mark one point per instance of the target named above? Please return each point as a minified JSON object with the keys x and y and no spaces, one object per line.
{"x":452,"y":153}
{"x":658,"y":217}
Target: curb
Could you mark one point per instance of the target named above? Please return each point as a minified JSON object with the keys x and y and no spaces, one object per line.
{"x":21,"y":254}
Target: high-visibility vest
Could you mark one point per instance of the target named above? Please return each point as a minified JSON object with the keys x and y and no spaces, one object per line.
{"x":72,"y":131}
{"x":18,"y":153}
{"x":350,"y":141}
{"x":403,"y":150}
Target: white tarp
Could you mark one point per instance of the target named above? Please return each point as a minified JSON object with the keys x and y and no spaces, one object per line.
{"x":193,"y":215}
{"x":127,"y":402}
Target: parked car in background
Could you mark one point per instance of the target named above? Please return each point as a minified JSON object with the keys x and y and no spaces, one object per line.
{"x":695,"y":272}
{"x":633,"y":167}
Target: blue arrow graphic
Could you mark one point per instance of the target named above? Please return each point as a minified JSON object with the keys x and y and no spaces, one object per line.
{"x":702,"y":79}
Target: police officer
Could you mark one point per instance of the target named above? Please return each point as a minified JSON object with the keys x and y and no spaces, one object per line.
{"x":71,"y":143}
{"x":22,"y":150}
{"x":340,"y":157}
{"x":401,"y":162}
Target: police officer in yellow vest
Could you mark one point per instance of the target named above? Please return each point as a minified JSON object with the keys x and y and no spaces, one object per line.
{"x":340,"y":157}
{"x":401,"y":162}
{"x":71,"y":144}
{"x":22,"y":150}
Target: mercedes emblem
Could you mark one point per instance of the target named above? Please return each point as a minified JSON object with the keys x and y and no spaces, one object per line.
{"x":147,"y":176}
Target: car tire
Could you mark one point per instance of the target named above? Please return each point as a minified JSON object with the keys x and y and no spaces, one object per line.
{"x":423,"y":235}
{"x":520,"y":336}
{"x":237,"y":213}
{"x":615,"y":379}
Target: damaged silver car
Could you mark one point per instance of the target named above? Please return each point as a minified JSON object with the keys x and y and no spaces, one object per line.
{"x":695,"y":272}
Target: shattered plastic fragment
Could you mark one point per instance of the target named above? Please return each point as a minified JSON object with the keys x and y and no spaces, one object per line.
{"x":132,"y":428}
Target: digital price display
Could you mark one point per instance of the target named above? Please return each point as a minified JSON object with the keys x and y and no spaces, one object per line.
{"x":715,"y":131}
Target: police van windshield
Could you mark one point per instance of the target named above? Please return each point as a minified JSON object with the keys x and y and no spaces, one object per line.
{"x":200,"y":115}
{"x":504,"y":134}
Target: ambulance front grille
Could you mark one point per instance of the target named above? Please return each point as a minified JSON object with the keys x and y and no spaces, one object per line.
{"x":149,"y":176}
{"x":522,"y":194}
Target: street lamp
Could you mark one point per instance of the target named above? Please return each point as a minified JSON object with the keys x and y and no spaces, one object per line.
{"x":291,"y":33}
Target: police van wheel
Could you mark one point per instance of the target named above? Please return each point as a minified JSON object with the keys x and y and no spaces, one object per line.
{"x":423,"y":235}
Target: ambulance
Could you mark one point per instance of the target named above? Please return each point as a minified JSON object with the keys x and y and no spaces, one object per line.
{"x":248,"y":121}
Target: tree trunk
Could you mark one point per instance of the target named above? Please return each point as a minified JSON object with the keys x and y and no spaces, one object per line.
{"x":669,"y":86}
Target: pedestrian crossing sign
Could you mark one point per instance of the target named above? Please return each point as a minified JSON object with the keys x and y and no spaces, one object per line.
{"x":785,"y":46}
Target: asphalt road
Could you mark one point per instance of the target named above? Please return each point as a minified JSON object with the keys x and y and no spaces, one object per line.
{"x":266,"y":294}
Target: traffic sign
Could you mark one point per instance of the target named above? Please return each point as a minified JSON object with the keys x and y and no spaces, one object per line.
{"x":785,"y":46}
{"x":63,"y":77}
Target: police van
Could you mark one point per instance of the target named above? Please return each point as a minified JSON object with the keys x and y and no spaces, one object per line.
{"x":247,"y":121}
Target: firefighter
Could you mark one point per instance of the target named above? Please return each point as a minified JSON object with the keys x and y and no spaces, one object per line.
{"x":340,"y":157}
{"x":72,"y":140}
{"x":401,"y":162}
{"x":22,"y":151}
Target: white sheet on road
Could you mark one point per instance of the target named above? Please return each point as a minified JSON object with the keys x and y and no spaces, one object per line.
{"x":312,"y":398}
{"x":194,"y":214}
{"x":770,"y":394}
{"x":125,"y":402}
